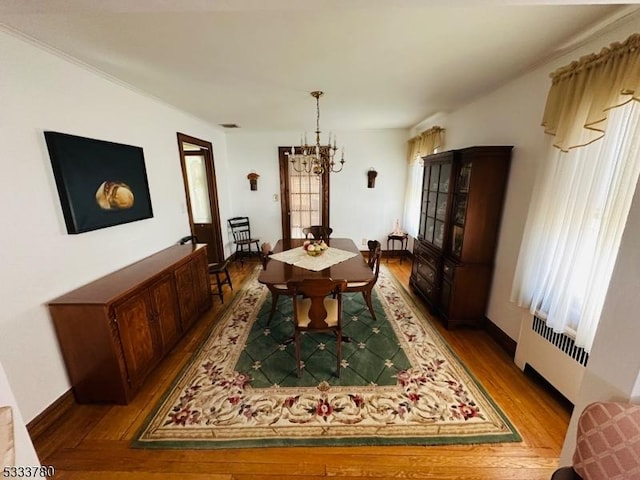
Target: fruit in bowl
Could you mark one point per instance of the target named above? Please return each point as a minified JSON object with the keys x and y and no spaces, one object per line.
{"x":314,"y":249}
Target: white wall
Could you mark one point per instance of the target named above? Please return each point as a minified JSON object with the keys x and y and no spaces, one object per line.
{"x":356,"y":211}
{"x":40,"y":261}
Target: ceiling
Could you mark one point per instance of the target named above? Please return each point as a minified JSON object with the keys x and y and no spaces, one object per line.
{"x":381,"y":63}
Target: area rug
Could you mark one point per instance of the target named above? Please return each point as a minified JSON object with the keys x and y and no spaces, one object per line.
{"x":400,"y":383}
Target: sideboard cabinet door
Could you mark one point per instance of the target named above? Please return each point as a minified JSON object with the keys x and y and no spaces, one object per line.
{"x":200,"y":271}
{"x":194,"y":291}
{"x":134,"y":318}
{"x":164,"y":300}
{"x":186,"y":294}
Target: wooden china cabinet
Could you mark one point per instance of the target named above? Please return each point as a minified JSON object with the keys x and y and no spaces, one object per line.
{"x":462,"y":196}
{"x":116,"y":329}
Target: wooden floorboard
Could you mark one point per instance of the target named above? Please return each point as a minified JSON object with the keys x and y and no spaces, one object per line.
{"x":92,"y":442}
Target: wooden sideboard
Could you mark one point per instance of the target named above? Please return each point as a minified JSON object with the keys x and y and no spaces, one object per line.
{"x":115,"y":330}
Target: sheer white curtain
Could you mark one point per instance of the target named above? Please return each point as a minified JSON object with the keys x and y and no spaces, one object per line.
{"x":428,"y":142}
{"x":413,"y":197}
{"x":579,"y":210}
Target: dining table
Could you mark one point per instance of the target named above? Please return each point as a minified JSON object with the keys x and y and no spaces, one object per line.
{"x":352,"y":269}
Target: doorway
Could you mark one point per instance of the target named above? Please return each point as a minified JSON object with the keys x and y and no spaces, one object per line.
{"x":304,"y":198}
{"x":199,"y":176}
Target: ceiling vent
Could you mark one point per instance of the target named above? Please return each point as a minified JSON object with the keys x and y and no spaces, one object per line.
{"x":229,"y":125}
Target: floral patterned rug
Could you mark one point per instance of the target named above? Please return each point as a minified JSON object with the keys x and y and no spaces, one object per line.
{"x":225,"y":398}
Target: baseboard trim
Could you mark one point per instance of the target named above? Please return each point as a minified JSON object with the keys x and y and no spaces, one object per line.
{"x":50,"y":415}
{"x":505,"y":341}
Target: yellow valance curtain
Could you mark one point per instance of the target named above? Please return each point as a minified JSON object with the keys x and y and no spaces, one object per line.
{"x":425,"y":143}
{"x":583,"y":92}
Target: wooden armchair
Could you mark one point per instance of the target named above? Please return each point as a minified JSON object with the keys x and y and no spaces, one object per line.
{"x":375,"y":254}
{"x":315,"y":310}
{"x":318,"y":232}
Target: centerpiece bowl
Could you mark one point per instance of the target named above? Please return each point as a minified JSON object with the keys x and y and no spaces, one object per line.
{"x":315,"y":248}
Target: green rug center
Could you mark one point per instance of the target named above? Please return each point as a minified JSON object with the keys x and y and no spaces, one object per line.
{"x":372,"y":357}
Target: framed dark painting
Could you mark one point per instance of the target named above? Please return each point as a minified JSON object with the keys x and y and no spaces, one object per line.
{"x":100,"y":183}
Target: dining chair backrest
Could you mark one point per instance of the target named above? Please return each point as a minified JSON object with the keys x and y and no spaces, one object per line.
{"x":320,"y":305}
{"x":375,"y":254}
{"x":318,"y":232}
{"x":188,"y":239}
{"x":240,"y":228}
{"x":265,"y":252}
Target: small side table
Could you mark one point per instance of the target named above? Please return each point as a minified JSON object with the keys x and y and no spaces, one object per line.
{"x":403,"y":238}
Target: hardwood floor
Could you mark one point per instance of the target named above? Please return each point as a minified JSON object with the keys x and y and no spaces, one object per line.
{"x":92,"y":441}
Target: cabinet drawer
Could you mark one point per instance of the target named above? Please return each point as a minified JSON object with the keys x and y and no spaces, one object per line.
{"x":427,"y":271}
{"x":427,"y":289}
{"x":425,"y":256}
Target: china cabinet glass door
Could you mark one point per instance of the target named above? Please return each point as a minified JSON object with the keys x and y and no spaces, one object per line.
{"x":459,"y":216}
{"x":435,"y":201}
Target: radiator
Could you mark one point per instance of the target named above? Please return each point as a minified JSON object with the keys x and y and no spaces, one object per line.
{"x":553,"y":355}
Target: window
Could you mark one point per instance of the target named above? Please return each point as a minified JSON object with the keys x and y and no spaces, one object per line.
{"x":428,"y":142}
{"x":413,"y":197}
{"x":305,"y":201}
{"x":580,"y":205}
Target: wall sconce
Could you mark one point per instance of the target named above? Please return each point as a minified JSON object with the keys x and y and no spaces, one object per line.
{"x":253,"y":180}
{"x":371,"y":176}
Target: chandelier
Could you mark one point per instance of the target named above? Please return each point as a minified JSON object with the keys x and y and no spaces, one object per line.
{"x":316,"y":158}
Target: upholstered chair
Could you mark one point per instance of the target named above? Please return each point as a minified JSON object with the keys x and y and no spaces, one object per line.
{"x":607,"y":444}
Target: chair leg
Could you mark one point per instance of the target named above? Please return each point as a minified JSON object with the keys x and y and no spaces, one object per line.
{"x":368,"y":299}
{"x":226,"y":272}
{"x":239,"y":255}
{"x":221,"y":282}
{"x":220,"y":293}
{"x":274,"y":304}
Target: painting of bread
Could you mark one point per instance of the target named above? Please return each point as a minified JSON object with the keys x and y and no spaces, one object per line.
{"x":114,"y":196}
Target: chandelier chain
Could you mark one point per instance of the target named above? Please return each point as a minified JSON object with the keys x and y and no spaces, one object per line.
{"x":316,"y":158}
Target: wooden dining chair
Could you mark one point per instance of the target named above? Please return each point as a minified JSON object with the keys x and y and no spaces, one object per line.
{"x":318,"y":232}
{"x":317,"y":307}
{"x":241,"y":230}
{"x":375,"y":254}
{"x":276,"y":289}
{"x":221,"y":272}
